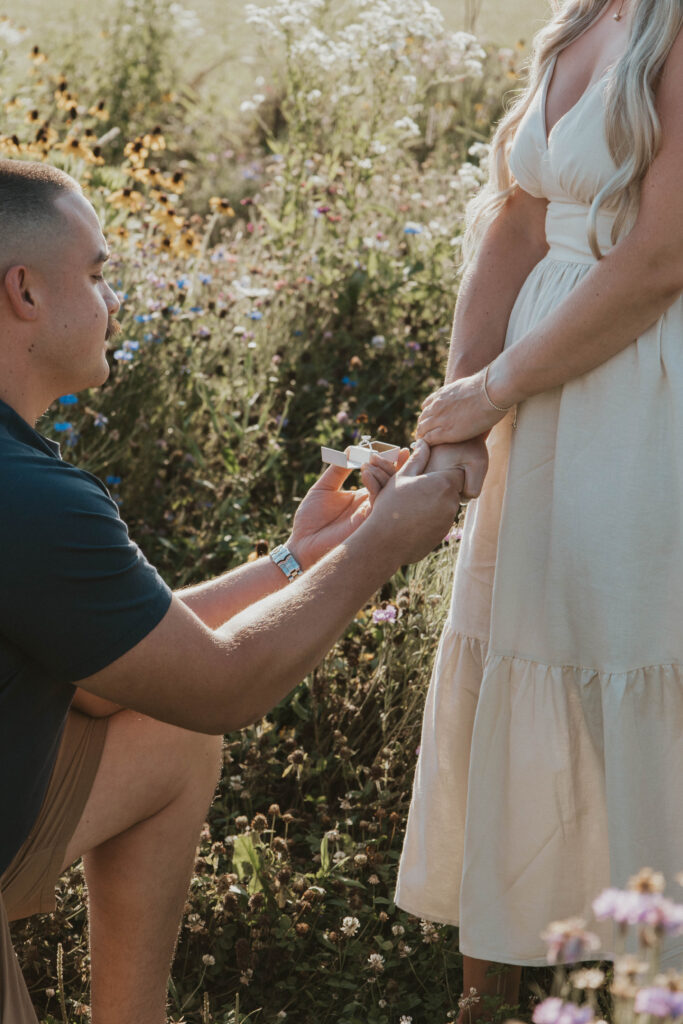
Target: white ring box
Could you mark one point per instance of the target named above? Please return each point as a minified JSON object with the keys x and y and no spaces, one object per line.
{"x":358,"y":454}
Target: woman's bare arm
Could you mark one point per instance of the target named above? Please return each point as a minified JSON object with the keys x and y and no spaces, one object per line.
{"x":628,"y":290}
{"x":513,"y":244}
{"x":616,"y":302}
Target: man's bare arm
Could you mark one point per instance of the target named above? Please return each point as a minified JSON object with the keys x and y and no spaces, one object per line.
{"x":216,"y":681}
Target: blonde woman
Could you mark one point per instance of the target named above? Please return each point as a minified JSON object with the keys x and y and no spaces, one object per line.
{"x":552,"y":747}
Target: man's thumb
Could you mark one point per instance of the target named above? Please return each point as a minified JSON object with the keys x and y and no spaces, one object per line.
{"x":417,"y":463}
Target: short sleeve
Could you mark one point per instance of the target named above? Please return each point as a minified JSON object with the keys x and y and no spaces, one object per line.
{"x":75,"y":591}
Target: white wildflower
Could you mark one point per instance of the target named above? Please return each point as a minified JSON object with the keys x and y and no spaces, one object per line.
{"x":376,"y":962}
{"x":430,"y":932}
{"x":588,"y":977}
{"x":350,"y":926}
{"x":398,"y":929}
{"x":465,"y":1002}
{"x":406,"y":125}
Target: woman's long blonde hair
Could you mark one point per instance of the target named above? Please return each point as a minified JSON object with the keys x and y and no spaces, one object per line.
{"x":632,"y":124}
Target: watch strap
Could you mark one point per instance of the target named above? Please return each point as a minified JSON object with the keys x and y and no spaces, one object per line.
{"x":285,"y":560}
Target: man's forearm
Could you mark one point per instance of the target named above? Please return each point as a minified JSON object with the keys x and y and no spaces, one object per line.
{"x":217,"y":600}
{"x":275,"y":647}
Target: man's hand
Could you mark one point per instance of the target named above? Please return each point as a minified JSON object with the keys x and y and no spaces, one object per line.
{"x":328,"y":515}
{"x":415,"y":510}
{"x":470,"y":456}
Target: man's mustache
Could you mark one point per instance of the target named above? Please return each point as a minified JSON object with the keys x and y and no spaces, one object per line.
{"x":113,"y":328}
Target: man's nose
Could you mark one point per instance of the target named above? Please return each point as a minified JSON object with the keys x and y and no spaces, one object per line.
{"x":112,"y":300}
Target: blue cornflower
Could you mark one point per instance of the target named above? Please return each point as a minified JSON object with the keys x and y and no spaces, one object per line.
{"x":62,"y":426}
{"x":111,"y":481}
{"x":123,"y":355}
{"x":68,"y":400}
{"x":255,"y":315}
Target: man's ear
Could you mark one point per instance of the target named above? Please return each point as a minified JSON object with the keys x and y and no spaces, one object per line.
{"x":18,"y":287}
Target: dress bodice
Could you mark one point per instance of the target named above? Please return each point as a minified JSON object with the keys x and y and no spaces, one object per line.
{"x":568,"y":167}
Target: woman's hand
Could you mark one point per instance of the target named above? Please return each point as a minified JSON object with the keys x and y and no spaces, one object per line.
{"x":457,"y":412}
{"x":328,"y":514}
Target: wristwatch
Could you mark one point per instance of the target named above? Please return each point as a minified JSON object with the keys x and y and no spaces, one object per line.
{"x":285,"y":560}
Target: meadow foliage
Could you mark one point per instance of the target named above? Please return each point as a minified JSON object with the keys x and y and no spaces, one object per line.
{"x":287,"y":272}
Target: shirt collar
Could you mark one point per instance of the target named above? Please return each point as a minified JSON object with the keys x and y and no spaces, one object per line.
{"x":20,"y":430}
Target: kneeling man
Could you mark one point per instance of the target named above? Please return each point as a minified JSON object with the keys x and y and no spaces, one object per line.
{"x":114,"y":691}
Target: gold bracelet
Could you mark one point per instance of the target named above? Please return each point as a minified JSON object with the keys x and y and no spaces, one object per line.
{"x":498,"y":408}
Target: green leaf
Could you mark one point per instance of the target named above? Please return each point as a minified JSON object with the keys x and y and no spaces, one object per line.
{"x":325,"y":859}
{"x":246,"y":855}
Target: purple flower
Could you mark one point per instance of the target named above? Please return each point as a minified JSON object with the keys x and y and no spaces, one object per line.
{"x":387,"y":614}
{"x":627,"y":906}
{"x":556,"y":1011}
{"x":568,"y":941}
{"x":660,"y":1002}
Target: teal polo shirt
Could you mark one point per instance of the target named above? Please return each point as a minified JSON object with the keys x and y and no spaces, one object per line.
{"x":75,"y":594}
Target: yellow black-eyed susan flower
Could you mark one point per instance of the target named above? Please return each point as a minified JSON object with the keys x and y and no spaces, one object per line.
{"x":174,"y":183}
{"x":145,"y":175}
{"x":164,"y":243}
{"x":14,"y":104}
{"x":65,"y":100}
{"x":127,"y":199}
{"x":74,"y":147}
{"x":221,"y":206}
{"x":187,"y":243}
{"x":154,"y":140}
{"x":46,"y":135}
{"x":37,"y":55}
{"x":99,"y":110}
{"x":169,"y":221}
{"x":136,"y":151}
{"x":33,"y":116}
{"x":10,"y":145}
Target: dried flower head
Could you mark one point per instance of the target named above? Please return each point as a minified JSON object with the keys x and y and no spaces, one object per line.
{"x":647,"y":880}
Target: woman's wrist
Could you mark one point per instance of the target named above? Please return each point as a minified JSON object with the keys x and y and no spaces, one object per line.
{"x":502,"y":382}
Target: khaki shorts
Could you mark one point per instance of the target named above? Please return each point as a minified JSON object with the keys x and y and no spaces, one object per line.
{"x":28,"y":885}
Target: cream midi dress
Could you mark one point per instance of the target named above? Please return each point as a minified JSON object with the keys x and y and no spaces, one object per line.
{"x":551,"y":760}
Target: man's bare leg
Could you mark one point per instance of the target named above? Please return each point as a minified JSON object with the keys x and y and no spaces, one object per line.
{"x":138,"y":837}
{"x":504,"y":985}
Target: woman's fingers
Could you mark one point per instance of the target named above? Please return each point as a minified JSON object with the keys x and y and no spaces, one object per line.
{"x":374,"y":479}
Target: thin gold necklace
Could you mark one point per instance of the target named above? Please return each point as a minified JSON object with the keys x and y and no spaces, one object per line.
{"x":617,"y":16}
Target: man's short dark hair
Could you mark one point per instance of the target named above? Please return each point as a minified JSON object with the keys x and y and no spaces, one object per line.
{"x":28,"y":191}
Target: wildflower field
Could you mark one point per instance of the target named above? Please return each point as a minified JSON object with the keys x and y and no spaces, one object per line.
{"x":287,"y":267}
